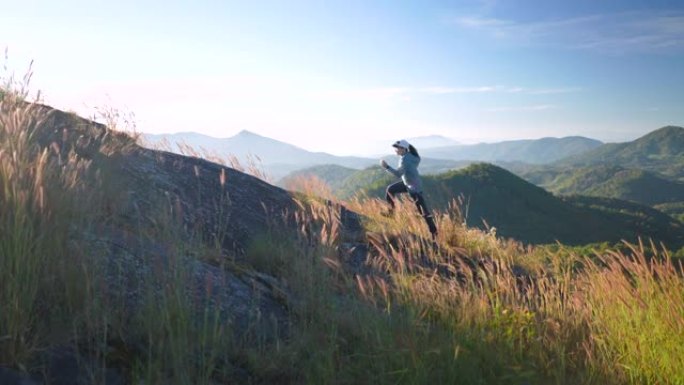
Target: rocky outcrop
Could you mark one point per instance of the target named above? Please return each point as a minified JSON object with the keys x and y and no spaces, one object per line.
{"x":211,"y":198}
{"x":193,"y":196}
{"x":207,"y":196}
{"x":148,"y":190}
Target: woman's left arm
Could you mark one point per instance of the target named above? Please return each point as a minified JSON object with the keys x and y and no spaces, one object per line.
{"x":396,"y":172}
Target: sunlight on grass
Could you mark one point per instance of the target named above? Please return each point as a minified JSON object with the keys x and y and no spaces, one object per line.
{"x":468,"y":307}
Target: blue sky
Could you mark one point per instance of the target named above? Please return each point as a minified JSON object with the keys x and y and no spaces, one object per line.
{"x":347,"y":76}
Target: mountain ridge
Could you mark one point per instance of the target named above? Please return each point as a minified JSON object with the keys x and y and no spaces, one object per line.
{"x":535,"y":215}
{"x":661,"y":150}
{"x":281,"y":158}
{"x":275,"y":156}
{"x":535,"y":151}
{"x":611,"y":181}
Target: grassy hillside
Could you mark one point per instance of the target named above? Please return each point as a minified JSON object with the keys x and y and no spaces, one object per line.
{"x":660,"y":151}
{"x":523,"y":211}
{"x":112,"y":271}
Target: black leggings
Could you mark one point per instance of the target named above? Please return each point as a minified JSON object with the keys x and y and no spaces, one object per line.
{"x":417,"y":198}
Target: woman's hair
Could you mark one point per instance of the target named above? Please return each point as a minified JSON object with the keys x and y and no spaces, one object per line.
{"x":413,"y":151}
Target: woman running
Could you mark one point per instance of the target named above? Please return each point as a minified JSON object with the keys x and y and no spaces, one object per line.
{"x":410,"y":181}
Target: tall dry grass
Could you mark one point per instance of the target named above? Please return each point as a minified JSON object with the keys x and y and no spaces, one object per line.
{"x":39,"y":212}
{"x":531,"y":315}
{"x":468,"y":308}
{"x":57,"y":210}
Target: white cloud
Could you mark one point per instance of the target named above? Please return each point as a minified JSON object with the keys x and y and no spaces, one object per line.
{"x":406,"y":93}
{"x":620,"y":33}
{"x":540,"y":107}
{"x":439,"y":90}
{"x":549,"y":91}
{"x":442,"y":90}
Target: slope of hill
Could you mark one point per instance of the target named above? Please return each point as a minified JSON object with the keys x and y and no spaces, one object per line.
{"x":659,"y":151}
{"x":523,"y":211}
{"x":635,"y":219}
{"x":535,"y":151}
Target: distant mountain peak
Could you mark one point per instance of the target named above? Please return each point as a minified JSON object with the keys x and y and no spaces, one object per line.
{"x":578,"y":137}
{"x":672,"y":128}
{"x":431,"y":141}
{"x":668,"y":139}
{"x":666,"y":131}
{"x":247,"y":133}
{"x":430,"y":137}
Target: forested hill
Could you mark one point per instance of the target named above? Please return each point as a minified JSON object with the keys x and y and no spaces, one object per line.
{"x":660,"y":151}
